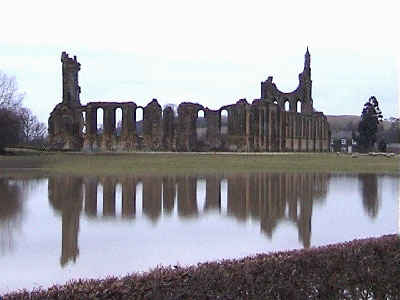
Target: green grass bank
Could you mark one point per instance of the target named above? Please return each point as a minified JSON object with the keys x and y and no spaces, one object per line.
{"x":128,"y":163}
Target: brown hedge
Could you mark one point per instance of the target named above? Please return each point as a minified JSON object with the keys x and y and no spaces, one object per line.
{"x":361,"y":269}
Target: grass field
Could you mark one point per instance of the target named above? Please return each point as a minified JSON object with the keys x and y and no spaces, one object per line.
{"x":126,"y":163}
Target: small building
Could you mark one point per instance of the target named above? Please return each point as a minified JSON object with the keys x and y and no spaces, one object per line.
{"x":343,"y":141}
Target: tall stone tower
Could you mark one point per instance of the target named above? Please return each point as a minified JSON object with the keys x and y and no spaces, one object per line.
{"x":66,"y":120}
{"x":71,"y":88}
{"x":306,"y":85}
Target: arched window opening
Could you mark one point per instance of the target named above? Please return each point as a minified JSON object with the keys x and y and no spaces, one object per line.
{"x":139,"y":121}
{"x":118,"y":121}
{"x":84,"y":127}
{"x":224,"y":121}
{"x":201,"y":125}
{"x":298,"y":106}
{"x":100,"y":116}
{"x":287,"y":105}
{"x":275,"y":101}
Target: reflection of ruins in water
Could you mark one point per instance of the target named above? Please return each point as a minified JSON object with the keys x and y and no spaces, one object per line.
{"x":266,"y":197}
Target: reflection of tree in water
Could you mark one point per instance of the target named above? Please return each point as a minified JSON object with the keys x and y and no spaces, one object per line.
{"x":11,"y":204}
{"x":369,"y":191}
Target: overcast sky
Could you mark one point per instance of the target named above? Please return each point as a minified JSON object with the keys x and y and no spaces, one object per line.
{"x":210,"y":52}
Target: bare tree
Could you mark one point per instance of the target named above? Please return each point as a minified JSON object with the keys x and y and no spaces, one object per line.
{"x":28,"y":121}
{"x":32,"y":129}
{"x":10,"y":97}
{"x":16,"y":122}
{"x":10,"y":128}
{"x":39,"y":132}
{"x":173,"y":107}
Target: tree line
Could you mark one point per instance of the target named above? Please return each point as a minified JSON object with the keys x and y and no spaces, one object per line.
{"x":18,"y":125}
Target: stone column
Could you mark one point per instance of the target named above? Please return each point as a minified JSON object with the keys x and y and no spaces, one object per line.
{"x":237,"y":195}
{"x":186,"y":126}
{"x":168,"y":137}
{"x":152,"y":126}
{"x":108,"y":127}
{"x":247,"y":128}
{"x":169,"y":192}
{"x":260,"y":128}
{"x":152,"y":197}
{"x":108,"y":197}
{"x":187,"y":190}
{"x":128,"y":197}
{"x":213,"y":193}
{"x":90,"y":196}
{"x":213,"y":136}
{"x":266,"y":128}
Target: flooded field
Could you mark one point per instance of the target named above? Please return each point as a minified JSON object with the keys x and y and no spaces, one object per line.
{"x":60,"y":228}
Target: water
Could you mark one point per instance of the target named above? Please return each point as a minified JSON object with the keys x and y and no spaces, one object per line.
{"x":61,"y":228}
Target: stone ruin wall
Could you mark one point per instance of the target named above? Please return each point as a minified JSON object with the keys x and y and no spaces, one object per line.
{"x":276,"y":122}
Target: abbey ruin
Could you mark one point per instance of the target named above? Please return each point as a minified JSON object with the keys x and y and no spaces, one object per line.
{"x":276,"y":122}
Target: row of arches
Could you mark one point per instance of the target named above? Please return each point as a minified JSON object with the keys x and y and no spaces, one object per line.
{"x":117,"y":119}
{"x":117,"y":126}
{"x":201,"y":124}
{"x":260,"y":126}
{"x":290,"y":106}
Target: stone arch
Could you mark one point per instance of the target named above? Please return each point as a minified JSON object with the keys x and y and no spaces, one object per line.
{"x":99,"y":120}
{"x":298,"y":106}
{"x":286,"y":105}
{"x":201,"y":126}
{"x":118,"y":112}
{"x":274,"y":131}
{"x":138,"y":118}
{"x":224,"y":121}
{"x":84,"y":119}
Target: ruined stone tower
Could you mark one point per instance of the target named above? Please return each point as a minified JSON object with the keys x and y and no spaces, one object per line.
{"x":66,"y":120}
{"x":71,"y":88}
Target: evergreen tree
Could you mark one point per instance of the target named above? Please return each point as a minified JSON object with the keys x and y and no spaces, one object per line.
{"x":368,"y":126}
{"x":382,"y":146}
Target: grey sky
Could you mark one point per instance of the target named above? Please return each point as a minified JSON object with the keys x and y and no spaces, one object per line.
{"x":211,"y":52}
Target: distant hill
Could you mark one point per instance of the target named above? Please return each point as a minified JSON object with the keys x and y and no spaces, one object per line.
{"x":344,"y":126}
{"x":343,"y":123}
{"x":349,"y":122}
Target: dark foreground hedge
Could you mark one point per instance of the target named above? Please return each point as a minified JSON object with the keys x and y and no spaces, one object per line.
{"x":361,"y":269}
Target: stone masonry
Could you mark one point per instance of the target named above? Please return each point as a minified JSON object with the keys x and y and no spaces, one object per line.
{"x":276,"y":121}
